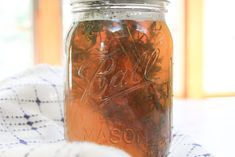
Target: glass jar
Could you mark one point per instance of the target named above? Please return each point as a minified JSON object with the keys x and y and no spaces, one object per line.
{"x":118,"y":88}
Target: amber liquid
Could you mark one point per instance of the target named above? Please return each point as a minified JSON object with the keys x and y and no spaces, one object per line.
{"x":119,"y":85}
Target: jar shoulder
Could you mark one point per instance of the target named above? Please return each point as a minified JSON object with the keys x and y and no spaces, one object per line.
{"x":86,"y":34}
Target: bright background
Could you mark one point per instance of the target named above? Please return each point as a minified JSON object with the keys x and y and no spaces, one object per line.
{"x":33,"y":32}
{"x":16,"y":36}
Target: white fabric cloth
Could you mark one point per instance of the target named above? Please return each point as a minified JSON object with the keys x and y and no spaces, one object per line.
{"x":32,"y":121}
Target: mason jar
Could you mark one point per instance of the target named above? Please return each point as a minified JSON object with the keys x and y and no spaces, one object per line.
{"x":118,"y":89}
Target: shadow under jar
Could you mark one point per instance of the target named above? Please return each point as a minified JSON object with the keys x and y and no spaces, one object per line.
{"x":118,"y":89}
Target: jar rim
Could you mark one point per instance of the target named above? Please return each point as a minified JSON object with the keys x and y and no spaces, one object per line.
{"x":84,"y":10}
{"x":120,"y":1}
{"x":84,"y":5}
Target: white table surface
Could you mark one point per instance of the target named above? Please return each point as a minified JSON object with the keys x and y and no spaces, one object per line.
{"x":210,"y":122}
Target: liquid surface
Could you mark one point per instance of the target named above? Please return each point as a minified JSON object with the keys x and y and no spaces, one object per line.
{"x":119,"y":85}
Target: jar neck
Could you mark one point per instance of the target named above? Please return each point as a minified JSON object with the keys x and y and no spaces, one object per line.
{"x":86,"y":11}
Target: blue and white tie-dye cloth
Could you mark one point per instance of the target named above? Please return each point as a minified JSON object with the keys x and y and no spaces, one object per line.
{"x":32,"y":122}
